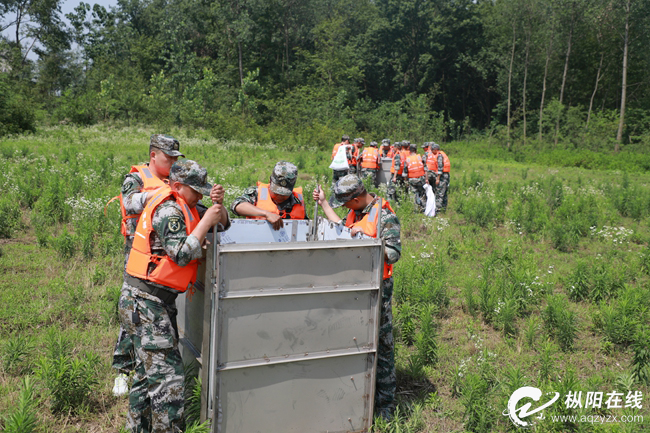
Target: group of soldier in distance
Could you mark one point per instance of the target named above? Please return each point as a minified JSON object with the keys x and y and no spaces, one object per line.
{"x":433,"y":167}
{"x":165,"y":225}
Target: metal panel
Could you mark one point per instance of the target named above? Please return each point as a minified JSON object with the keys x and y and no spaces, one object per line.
{"x":325,"y":395}
{"x":272,"y":329}
{"x":296,"y":336}
{"x":248,"y":231}
{"x":256,"y":270}
{"x":384,"y":173}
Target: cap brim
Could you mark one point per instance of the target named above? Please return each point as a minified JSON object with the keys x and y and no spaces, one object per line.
{"x":279,"y":190}
{"x":173,"y":153}
{"x":334,"y":203}
{"x":203,"y":189}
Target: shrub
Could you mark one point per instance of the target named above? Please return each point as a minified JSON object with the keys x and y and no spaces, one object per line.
{"x":65,"y":244}
{"x":478,"y":415}
{"x":9,"y":216}
{"x":68,"y":381}
{"x":15,"y":354}
{"x":426,"y":339}
{"x":405,"y":314}
{"x":641,"y":357}
{"x":23,"y":418}
{"x":560,"y":322}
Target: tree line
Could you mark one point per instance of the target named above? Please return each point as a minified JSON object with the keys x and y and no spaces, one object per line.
{"x":531,"y":73}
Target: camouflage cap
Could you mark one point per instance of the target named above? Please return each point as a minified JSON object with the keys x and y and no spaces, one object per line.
{"x":190,"y":173}
{"x":425,"y":145}
{"x":346,"y":189}
{"x":373,"y":143}
{"x":406,"y":143}
{"x":360,"y":140}
{"x":283,"y":178}
{"x":385,"y":142}
{"x":397,"y":144}
{"x":167,"y":144}
{"x":435,"y":146}
{"x":345,"y":138}
{"x":413,"y":146}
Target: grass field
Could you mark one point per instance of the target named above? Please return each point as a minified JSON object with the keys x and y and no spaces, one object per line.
{"x":535,"y":276}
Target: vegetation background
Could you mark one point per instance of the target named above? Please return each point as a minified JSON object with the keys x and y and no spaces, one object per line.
{"x":538,"y":274}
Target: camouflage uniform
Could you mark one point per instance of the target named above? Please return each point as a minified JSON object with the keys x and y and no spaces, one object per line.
{"x":284,"y":173}
{"x":156,"y":399}
{"x":134,"y":200}
{"x":443,"y":185}
{"x":416,"y":186}
{"x":353,"y":160}
{"x":386,"y":379}
{"x":371,"y":172}
{"x":400,"y":181}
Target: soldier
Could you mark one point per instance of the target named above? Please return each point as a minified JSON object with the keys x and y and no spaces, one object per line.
{"x":137,"y":187}
{"x":371,"y":162}
{"x":275,"y":200}
{"x":386,"y":150}
{"x":354,"y":156}
{"x":430,"y":164}
{"x":397,"y":180}
{"x":364,"y":207}
{"x":337,"y":174}
{"x":162,"y":264}
{"x":414,"y":171}
{"x":442,"y":179}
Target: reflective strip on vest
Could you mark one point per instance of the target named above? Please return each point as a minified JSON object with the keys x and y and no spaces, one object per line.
{"x":147,"y":173}
{"x":266,"y":203}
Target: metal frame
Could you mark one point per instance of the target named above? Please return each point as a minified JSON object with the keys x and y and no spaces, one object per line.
{"x":293,"y":373}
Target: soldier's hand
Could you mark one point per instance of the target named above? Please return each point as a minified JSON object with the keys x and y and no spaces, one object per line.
{"x":217,"y":194}
{"x":356,"y":230}
{"x":213,"y":214}
{"x":275,"y":220}
{"x":318,"y":195}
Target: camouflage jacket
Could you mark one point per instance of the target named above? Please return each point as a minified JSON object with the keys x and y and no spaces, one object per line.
{"x":390,"y":231}
{"x":134,"y":199}
{"x":250,"y":196}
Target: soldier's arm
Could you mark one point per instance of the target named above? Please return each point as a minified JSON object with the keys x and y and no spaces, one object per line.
{"x":169,"y":224}
{"x":249,"y":196}
{"x":440,"y":164}
{"x":405,"y":171}
{"x":133,"y":197}
{"x":390,"y":233}
{"x":202,"y":209}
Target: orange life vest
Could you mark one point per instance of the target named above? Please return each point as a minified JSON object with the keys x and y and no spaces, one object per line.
{"x":391,"y":153}
{"x":446,"y":165}
{"x":369,"y":226}
{"x":166,"y":272}
{"x":354,"y":156}
{"x":369,"y":158}
{"x":264,"y":202}
{"x":432,"y":161}
{"x":151,"y":183}
{"x":402,"y":158}
{"x":415,"y":166}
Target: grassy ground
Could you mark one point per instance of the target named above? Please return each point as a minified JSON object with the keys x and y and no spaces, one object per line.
{"x":535,"y":276}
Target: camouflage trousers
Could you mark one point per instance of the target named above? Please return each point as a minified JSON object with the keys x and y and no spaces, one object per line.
{"x":416,"y":186}
{"x":353,"y":169}
{"x":337,"y":174}
{"x":156,"y":398}
{"x":123,"y":355}
{"x":441,"y":192}
{"x":372,"y":174}
{"x":386,"y":380}
{"x":393,"y":186}
{"x":431,"y":177}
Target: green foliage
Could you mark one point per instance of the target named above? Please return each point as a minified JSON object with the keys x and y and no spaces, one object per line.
{"x":16,"y":110}
{"x":68,"y":381}
{"x":23,"y":418}
{"x":560,"y":322}
{"x":65,"y":244}
{"x":406,"y":419}
{"x":9,"y":216}
{"x":620,"y":320}
{"x":478,"y":415}
{"x":16,"y":354}
{"x":641,"y":357}
{"x":425,"y":342}
{"x":595,"y":283}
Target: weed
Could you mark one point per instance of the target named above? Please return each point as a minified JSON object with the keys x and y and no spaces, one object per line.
{"x":99,"y":276}
{"x":530,"y":333}
{"x":560,"y":321}
{"x":404,"y":420}
{"x":471,"y":303}
{"x":426,"y":339}
{"x":65,"y":244}
{"x":23,"y":418}
{"x":547,"y":361}
{"x":641,"y":356}
{"x":478,"y":415}
{"x":15,"y":354}
{"x":69,"y":381}
{"x":405,"y":315}
{"x":9,"y":215}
